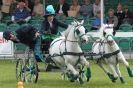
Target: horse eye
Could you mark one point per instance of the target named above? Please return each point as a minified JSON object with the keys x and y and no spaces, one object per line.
{"x":104,"y":33}
{"x":86,"y":30}
{"x":77,"y":31}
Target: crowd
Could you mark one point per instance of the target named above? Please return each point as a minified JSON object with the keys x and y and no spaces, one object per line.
{"x":21,"y":11}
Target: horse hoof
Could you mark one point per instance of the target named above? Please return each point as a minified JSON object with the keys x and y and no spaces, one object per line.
{"x":72,"y":80}
{"x":81,"y":81}
{"x":122,"y":80}
{"x":88,"y":80}
{"x":114,"y":80}
{"x":130,"y":72}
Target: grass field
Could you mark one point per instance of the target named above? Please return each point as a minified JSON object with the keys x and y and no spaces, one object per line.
{"x":53,"y":79}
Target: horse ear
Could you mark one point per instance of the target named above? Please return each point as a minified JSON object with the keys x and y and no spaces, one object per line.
{"x":111,"y":25}
{"x":82,"y":22}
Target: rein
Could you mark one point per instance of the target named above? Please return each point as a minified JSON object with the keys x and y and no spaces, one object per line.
{"x":103,"y":54}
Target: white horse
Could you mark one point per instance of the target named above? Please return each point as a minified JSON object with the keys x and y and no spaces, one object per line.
{"x":111,"y":54}
{"x":65,"y":51}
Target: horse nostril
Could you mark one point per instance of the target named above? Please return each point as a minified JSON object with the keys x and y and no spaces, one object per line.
{"x":110,"y":42}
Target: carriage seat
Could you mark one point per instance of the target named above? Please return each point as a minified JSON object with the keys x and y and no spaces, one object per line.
{"x":46,"y":39}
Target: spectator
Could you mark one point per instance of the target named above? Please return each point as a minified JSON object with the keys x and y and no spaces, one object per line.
{"x":74,"y":8}
{"x":13,"y":6}
{"x":38,"y":8}
{"x":0,"y":4}
{"x":0,"y":15}
{"x":96,"y":7}
{"x":86,"y":9}
{"x":128,"y":15}
{"x":96,"y":24}
{"x":120,"y":14}
{"x":112,"y":19}
{"x":29,"y":5}
{"x":21,"y":14}
{"x":5,"y":7}
{"x":62,"y":8}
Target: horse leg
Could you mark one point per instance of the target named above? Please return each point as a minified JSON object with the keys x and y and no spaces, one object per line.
{"x":110,"y":75}
{"x":86,"y":63}
{"x":114,"y":72}
{"x":123,"y":60}
{"x":74,"y":74}
{"x":119,"y":73}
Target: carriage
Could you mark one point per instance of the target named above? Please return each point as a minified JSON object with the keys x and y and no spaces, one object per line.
{"x":27,"y":69}
{"x":63,"y":49}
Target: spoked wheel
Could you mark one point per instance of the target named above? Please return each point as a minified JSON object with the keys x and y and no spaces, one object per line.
{"x":31,"y":67}
{"x":27,"y":68}
{"x":82,"y":75}
{"x":20,"y":70}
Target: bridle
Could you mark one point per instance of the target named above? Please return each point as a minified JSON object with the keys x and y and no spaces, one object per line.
{"x":76,"y":31}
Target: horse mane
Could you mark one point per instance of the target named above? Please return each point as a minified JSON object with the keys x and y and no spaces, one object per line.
{"x":66,"y":32}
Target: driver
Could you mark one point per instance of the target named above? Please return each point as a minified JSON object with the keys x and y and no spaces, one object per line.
{"x":29,"y":36}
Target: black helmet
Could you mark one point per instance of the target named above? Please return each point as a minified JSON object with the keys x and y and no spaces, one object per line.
{"x":6,"y":34}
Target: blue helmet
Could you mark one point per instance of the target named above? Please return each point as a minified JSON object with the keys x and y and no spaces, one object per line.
{"x":49,"y":10}
{"x":6,"y":34}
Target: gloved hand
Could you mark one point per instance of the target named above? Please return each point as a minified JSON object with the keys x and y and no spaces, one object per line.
{"x":37,"y":34}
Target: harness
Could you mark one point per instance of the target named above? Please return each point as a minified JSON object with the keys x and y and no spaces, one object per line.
{"x":102,"y":55}
{"x":62,"y":54}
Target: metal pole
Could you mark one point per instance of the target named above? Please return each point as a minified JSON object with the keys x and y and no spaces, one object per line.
{"x":102,"y":12}
{"x":44,"y":5}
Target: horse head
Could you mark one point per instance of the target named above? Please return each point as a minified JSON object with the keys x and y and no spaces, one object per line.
{"x":79,"y":30}
{"x":108,"y":32}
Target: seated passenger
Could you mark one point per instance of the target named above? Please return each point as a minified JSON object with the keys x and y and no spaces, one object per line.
{"x":50,"y":24}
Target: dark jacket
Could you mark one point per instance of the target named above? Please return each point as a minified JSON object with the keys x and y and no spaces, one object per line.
{"x":129,"y":14}
{"x":26,"y":35}
{"x":65,"y":8}
{"x":45,"y":28}
{"x":120,"y":17}
{"x":21,"y":15}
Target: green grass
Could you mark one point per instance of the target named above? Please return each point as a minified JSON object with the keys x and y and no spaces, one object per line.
{"x":53,"y":79}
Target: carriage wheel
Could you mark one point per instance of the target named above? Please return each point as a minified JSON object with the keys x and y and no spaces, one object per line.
{"x":82,"y":75}
{"x":31,"y":67}
{"x":20,"y":70}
